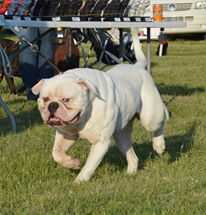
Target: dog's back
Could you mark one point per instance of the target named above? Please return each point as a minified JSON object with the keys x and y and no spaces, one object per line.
{"x":136,"y":80}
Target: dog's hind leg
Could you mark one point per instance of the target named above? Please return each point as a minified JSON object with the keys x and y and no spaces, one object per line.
{"x":157,"y":130}
{"x":153,"y":114}
{"x":158,"y":141}
{"x":124,"y":143}
{"x":61,"y":145}
{"x":154,"y":124}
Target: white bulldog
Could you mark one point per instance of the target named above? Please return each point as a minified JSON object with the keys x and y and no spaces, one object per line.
{"x":98,"y":106}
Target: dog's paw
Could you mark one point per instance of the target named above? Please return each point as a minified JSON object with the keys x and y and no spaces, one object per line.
{"x":79,"y":180}
{"x":74,"y":164}
{"x":159,"y":145}
{"x":82,"y":177}
{"x":132,"y":165}
{"x":131,"y":170}
{"x":70,"y":163}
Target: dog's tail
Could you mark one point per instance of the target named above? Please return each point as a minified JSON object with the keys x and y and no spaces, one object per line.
{"x":139,"y":54}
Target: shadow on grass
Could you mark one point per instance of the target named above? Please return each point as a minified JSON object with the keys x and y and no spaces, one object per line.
{"x":176,"y":90}
{"x":176,"y":146}
{"x":180,"y":144}
{"x":24,"y":120}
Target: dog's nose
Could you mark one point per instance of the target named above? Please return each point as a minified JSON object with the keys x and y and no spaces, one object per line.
{"x":53,"y":106}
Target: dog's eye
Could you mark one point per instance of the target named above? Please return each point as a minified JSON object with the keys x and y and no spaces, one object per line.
{"x":66,"y":100}
{"x":46,"y":99}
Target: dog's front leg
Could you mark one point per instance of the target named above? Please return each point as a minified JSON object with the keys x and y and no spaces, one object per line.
{"x":61,"y":145}
{"x":96,"y":155}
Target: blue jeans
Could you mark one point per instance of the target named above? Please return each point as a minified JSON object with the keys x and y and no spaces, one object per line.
{"x":33,"y":67}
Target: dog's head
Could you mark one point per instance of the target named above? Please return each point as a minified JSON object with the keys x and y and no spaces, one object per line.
{"x":64,"y":100}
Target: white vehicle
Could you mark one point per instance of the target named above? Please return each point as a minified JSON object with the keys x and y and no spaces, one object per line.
{"x":193,"y":12}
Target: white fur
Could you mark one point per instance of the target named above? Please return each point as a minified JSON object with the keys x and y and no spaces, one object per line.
{"x":108,"y":105}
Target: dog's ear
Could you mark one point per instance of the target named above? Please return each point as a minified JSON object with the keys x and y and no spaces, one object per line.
{"x":37,"y":87}
{"x":88,"y":86}
{"x":83,"y":85}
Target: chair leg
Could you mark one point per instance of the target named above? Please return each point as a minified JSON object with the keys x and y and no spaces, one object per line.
{"x":9,"y":114}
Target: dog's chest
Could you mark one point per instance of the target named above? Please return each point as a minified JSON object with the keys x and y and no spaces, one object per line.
{"x":91,"y":131}
{"x":89,"y":135}
{"x":94,"y":125}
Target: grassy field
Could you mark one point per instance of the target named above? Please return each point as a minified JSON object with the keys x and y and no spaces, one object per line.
{"x":174,"y":184}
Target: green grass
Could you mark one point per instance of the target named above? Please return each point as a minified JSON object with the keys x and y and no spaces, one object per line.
{"x":174,"y":184}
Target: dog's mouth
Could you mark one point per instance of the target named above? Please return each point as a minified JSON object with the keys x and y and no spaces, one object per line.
{"x":75,"y":119}
{"x":56,"y":121}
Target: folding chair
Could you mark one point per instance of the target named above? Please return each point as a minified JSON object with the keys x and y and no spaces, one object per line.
{"x":106,"y":51}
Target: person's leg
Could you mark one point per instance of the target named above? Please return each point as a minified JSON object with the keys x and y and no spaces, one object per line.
{"x":28,"y":62}
{"x":47,"y":48}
